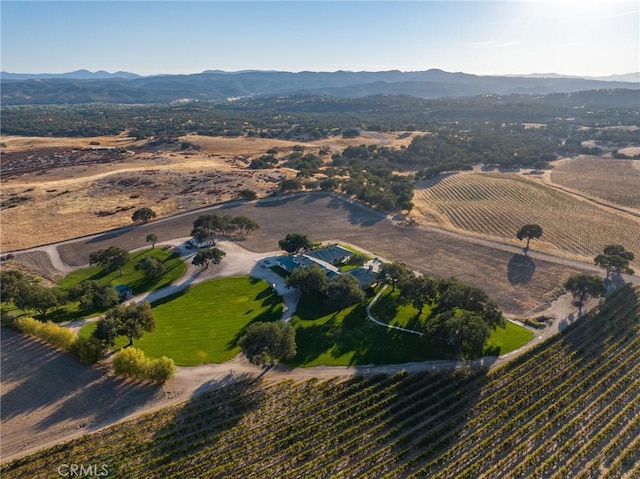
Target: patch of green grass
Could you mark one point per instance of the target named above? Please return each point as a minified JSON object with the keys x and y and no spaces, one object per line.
{"x":133,"y":278}
{"x":510,"y":338}
{"x":388,"y":310}
{"x":204,"y":323}
{"x":340,"y":338}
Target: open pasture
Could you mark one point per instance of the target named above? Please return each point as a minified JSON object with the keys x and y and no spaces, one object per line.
{"x":616,"y":181}
{"x":515,"y":421}
{"x":497,"y":205}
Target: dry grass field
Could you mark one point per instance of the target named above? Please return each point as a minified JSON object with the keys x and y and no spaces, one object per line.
{"x":90,"y":195}
{"x":497,"y":205}
{"x":616,"y":181}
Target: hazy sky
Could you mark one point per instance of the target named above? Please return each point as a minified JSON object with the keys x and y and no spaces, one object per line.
{"x":581,"y":37}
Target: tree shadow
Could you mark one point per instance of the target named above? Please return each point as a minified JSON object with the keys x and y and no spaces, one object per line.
{"x":520,"y":269}
{"x":358,"y":213}
{"x":215,"y":408}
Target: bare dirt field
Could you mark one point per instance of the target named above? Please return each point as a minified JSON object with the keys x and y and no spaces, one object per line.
{"x":60,"y":396}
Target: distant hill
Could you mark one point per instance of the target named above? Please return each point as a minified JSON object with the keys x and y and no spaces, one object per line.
{"x":76,"y":75}
{"x":86,"y":87}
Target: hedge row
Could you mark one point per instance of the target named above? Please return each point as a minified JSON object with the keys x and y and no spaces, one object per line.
{"x":89,"y":351}
{"x":132,"y":362}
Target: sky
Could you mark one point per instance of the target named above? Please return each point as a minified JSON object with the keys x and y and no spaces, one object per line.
{"x":571,"y":37}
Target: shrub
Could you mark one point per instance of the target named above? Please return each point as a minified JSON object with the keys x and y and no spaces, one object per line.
{"x":49,"y":332}
{"x":161,"y":369}
{"x":133,"y":363}
{"x":88,"y":350}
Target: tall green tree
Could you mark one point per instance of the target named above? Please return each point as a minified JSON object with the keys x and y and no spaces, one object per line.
{"x":143,"y":215}
{"x":152,"y":238}
{"x":344,"y":291}
{"x":11,"y":283}
{"x":418,"y":291}
{"x":207,"y":256}
{"x":151,"y":267}
{"x":127,"y":319}
{"x":615,"y":259}
{"x":110,"y":258}
{"x":268,"y":341}
{"x":39,"y":298}
{"x":308,"y":280}
{"x":529,"y":232}
{"x":394,"y":274}
{"x":245,"y":225}
{"x":295,"y":242}
{"x":94,"y":296}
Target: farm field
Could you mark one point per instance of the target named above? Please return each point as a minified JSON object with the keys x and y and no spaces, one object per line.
{"x":514,"y":421}
{"x":202,"y":324}
{"x":612,"y":180}
{"x":497,"y":205}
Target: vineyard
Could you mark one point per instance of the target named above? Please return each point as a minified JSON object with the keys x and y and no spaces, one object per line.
{"x":610,"y":179}
{"x":497,"y":205}
{"x":569,"y":407}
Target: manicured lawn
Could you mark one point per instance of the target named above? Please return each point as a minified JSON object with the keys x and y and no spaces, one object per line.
{"x":388,"y":310}
{"x":347,"y":337}
{"x":512,"y":337}
{"x":133,"y":278}
{"x":203,"y":324}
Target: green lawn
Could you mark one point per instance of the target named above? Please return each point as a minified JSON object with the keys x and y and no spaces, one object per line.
{"x":133,"y":278}
{"x":347,"y":337}
{"x":512,"y":337}
{"x":203,"y":324}
{"x":388,"y":310}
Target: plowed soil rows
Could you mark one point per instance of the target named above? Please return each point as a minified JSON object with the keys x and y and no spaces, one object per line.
{"x":497,"y":205}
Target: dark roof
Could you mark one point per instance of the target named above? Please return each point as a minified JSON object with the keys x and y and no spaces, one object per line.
{"x":294,"y":262}
{"x":365,"y":276}
{"x":331,"y":254}
{"x":122,"y":288}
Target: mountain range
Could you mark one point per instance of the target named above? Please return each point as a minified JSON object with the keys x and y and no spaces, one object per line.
{"x":83,"y":86}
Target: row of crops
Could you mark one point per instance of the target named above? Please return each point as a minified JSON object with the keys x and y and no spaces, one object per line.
{"x":570,"y":407}
{"x":498,"y":206}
